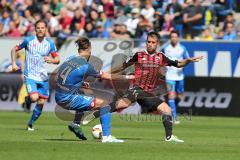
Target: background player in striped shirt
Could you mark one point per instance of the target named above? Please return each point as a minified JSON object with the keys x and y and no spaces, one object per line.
{"x":174,"y":76}
{"x":147,"y":65}
{"x":40,"y":50}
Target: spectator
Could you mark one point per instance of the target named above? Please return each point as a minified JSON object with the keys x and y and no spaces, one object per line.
{"x":108,"y":8}
{"x":101,"y":32}
{"x":135,"y":3}
{"x":192,"y":16}
{"x":4,"y":5}
{"x":158,"y":21}
{"x":124,"y":6}
{"x":78,"y":18}
{"x":229,"y":18}
{"x":167,"y":26}
{"x":73,"y":5}
{"x":148,"y":11}
{"x":21,"y":23}
{"x":56,"y":7}
{"x":220,"y":34}
{"x":1,"y":30}
{"x":230,"y":34}
{"x":77,"y":30}
{"x":90,"y":30}
{"x":31,"y":20}
{"x":13,"y":30}
{"x":219,"y":9}
{"x":93,"y":17}
{"x":33,"y":6}
{"x":20,"y":8}
{"x":45,"y":9}
{"x":175,"y":9}
{"x":106,"y":21}
{"x":207,"y":34}
{"x":64,"y":20}
{"x":88,"y":6}
{"x":120,"y":31}
{"x":132,"y":22}
{"x":53,"y":25}
{"x":120,"y":17}
{"x":143,"y":27}
{"x":28,"y":16}
{"x":36,"y":16}
{"x":5,"y":19}
{"x":238,"y":29}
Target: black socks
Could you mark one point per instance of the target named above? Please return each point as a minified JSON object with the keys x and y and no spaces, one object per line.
{"x":167,"y":123}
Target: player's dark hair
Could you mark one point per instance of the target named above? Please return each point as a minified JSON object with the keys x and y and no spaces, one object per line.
{"x":154,"y":34}
{"x":83,"y":43}
{"x":174,"y":32}
{"x":40,"y":21}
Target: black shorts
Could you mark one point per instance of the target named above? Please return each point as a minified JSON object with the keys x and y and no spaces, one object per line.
{"x":147,"y":101}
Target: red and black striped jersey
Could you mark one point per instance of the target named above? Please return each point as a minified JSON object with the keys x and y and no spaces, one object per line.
{"x":147,"y":67}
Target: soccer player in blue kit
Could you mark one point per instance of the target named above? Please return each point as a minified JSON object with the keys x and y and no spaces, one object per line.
{"x":69,"y":81}
{"x":174,"y":76}
{"x":40,"y":50}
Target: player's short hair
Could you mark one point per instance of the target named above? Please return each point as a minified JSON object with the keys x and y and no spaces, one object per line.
{"x":174,"y":32}
{"x":154,"y":34}
{"x":40,"y":21}
{"x":83,"y":43}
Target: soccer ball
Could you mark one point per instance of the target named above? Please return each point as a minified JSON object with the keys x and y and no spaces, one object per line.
{"x":97,"y":131}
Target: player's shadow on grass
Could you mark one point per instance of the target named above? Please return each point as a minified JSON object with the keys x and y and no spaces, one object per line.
{"x":20,"y":129}
{"x":131,"y":138}
{"x":62,"y":139}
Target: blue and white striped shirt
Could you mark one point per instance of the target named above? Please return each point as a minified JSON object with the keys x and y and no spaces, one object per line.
{"x":175,"y":53}
{"x":35,"y":66}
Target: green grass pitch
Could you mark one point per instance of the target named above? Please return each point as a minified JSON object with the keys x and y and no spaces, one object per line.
{"x":205,"y":138}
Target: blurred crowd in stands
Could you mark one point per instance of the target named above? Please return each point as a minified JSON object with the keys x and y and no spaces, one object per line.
{"x":193,"y":19}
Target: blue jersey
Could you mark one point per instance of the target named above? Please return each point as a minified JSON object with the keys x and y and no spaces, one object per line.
{"x":70,"y":77}
{"x":35,"y":52}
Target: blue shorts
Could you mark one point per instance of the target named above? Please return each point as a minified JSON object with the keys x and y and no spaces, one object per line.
{"x":39,"y":87}
{"x":176,"y":86}
{"x":77,"y":102}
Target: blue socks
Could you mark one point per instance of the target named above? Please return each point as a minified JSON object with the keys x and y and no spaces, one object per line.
{"x":35,"y":115}
{"x":105,"y":119}
{"x":172,"y":104}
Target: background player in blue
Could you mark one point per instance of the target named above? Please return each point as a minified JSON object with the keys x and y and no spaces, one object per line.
{"x":38,"y":51}
{"x":174,"y":76}
{"x":69,"y":81}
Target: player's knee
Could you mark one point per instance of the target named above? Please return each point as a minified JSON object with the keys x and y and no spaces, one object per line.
{"x":163,"y":108}
{"x":171,"y":95}
{"x":34,"y":97}
{"x":97,"y":103}
{"x":41,"y":102}
{"x":123,"y":103}
{"x":179,"y":96}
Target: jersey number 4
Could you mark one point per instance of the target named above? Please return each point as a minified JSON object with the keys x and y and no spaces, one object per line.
{"x":64,"y":74}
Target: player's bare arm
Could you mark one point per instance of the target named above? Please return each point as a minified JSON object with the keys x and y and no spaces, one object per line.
{"x":182,"y":63}
{"x":105,"y":75}
{"x":13,"y":58}
{"x":52,"y":60}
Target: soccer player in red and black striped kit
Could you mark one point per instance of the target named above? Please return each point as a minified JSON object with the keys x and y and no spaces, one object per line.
{"x":147,"y":66}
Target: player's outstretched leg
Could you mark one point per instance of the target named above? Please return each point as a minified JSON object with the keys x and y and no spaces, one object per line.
{"x":105,"y":119}
{"x":90,"y":116}
{"x":113,"y":106}
{"x":167,"y":123}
